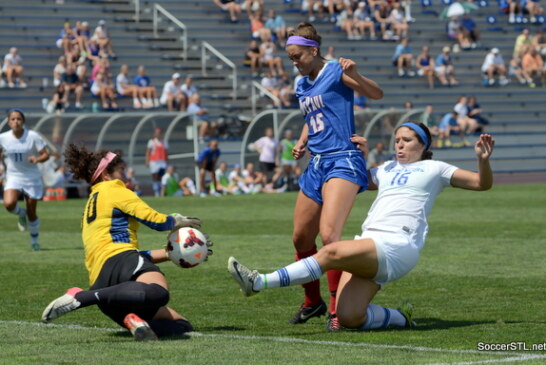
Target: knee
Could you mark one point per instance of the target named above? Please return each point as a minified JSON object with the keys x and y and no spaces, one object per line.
{"x":329,"y":236}
{"x":351,"y":318}
{"x":158,"y":295}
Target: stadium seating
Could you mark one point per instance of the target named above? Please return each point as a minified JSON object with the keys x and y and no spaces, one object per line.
{"x":517,"y":112}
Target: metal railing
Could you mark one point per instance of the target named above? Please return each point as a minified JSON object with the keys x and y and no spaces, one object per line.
{"x":255,"y":85}
{"x":207,"y":46}
{"x":137,"y":10}
{"x":183,"y":38}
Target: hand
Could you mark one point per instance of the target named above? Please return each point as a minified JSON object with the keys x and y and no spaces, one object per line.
{"x":299,"y":150}
{"x":183,"y":221}
{"x":348,"y":66}
{"x":361,"y":143}
{"x":33,"y":159}
{"x":484,"y":146}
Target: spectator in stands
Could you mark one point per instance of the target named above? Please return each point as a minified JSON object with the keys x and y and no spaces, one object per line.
{"x":271,"y":84}
{"x":172,"y":96}
{"x":425,"y":66}
{"x":448,"y":126}
{"x":346,"y":22}
{"x":268,"y":57}
{"x":188,"y":88}
{"x":103,"y":38}
{"x":539,"y":42}
{"x":253,"y":58}
{"x":258,"y":30}
{"x":103,"y":88}
{"x":286,"y":92}
{"x":157,"y":159}
{"x":398,"y":22}
{"x":276,"y":24}
{"x":522,"y":40}
{"x":94,"y":52}
{"x":253,"y":7}
{"x":59,"y":70}
{"x":403,"y":59}
{"x":363,"y":20}
{"x":443,"y":66}
{"x":57,"y":102}
{"x":514,"y":6}
{"x":13,"y":69}
{"x":149,"y":92}
{"x":72,"y":84}
{"x":99,"y":63}
{"x":532,"y":67}
{"x":493,"y":66}
{"x":468,"y":125}
{"x":66,"y":38}
{"x":172,"y":185}
{"x":124,"y":88}
{"x":533,"y":9}
{"x":78,"y":59}
{"x":455,"y":32}
{"x":206,"y":128}
{"x":230,"y":6}
{"x":206,"y":162}
{"x":475,"y":112}
{"x":254,"y":180}
{"x":377,"y":155}
{"x":360,"y":101}
{"x":289,"y":165}
{"x":470,"y":30}
{"x":429,"y":119}
{"x":313,"y":7}
{"x":131,"y":182}
{"x":82,"y":33}
{"x":381,"y":16}
{"x":515,"y":69}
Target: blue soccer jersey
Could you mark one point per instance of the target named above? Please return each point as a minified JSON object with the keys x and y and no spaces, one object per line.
{"x":327,"y":106}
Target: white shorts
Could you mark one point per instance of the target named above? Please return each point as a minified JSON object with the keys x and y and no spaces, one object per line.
{"x":155,"y":166}
{"x":397,"y":254}
{"x":33,"y":190}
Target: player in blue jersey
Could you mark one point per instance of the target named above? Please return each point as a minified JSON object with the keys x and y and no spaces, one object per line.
{"x":337,"y":170}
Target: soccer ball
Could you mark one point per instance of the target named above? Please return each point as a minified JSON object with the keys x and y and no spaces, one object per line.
{"x":187,"y":247}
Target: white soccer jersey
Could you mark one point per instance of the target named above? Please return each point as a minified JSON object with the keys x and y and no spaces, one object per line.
{"x":16,"y":153}
{"x":406,"y":195}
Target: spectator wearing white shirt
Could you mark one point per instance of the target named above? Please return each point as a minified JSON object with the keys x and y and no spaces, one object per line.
{"x":206,"y":129}
{"x":172,"y":95}
{"x":266,"y":146}
{"x":12,"y":68}
{"x":493,"y":65}
{"x":103,"y":38}
{"x":125,"y":89}
{"x":188,"y":88}
{"x":468,"y":125}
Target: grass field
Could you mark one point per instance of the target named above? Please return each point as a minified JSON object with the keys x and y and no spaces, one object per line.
{"x":481,"y":278}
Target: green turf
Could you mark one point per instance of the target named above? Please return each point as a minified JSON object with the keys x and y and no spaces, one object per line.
{"x":481,"y":278}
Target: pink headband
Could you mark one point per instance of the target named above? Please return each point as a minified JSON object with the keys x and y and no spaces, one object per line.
{"x":102,"y":165}
{"x":301,"y":41}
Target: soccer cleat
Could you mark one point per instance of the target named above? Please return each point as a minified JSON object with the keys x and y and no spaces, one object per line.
{"x":333,"y":323}
{"x":406,"y":309}
{"x":139,"y":328}
{"x":35,"y":246}
{"x":62,"y":305}
{"x":305,"y":313}
{"x":243,"y":276}
{"x":22,"y":223}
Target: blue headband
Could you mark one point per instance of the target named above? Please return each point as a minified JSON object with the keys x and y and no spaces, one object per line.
{"x":420,"y":132}
{"x":301,"y":41}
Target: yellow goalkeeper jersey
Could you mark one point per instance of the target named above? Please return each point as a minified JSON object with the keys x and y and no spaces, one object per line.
{"x":110,"y":221}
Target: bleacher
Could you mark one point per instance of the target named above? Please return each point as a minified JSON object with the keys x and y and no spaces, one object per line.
{"x":517,"y":112}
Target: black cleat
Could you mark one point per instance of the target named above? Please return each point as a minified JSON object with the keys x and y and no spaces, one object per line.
{"x":304,"y":313}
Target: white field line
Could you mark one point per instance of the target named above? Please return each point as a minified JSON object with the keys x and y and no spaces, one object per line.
{"x":511,"y":356}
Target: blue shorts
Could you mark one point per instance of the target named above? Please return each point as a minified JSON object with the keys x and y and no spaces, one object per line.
{"x":347,"y":165}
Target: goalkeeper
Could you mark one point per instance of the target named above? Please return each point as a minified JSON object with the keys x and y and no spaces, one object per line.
{"x":126,"y":284}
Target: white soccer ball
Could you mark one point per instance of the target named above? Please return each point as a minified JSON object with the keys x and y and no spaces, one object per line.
{"x":187,"y":247}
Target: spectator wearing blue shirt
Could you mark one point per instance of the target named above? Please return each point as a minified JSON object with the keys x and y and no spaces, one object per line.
{"x":149,"y":92}
{"x":449,"y":126}
{"x":402,"y":58}
{"x":470,"y":29}
{"x":206,"y":129}
{"x":277,"y":25}
{"x":444,"y":68}
{"x":206,"y":161}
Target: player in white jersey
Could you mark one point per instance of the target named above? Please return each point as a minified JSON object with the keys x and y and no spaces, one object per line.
{"x":22,"y":149}
{"x":393,"y":234}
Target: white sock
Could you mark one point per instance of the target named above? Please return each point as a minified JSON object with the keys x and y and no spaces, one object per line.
{"x":18,"y":210}
{"x":34,"y":230}
{"x":381,"y":317}
{"x":191,"y":187}
{"x":299,"y":272}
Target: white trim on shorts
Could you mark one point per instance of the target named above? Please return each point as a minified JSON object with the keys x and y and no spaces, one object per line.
{"x":155,"y":166}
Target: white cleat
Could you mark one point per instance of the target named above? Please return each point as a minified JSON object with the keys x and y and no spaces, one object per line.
{"x":243,"y":276}
{"x":62,"y":305}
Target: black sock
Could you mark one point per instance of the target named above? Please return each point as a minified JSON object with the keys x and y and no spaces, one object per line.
{"x":131,"y":294}
{"x":167,"y":327}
